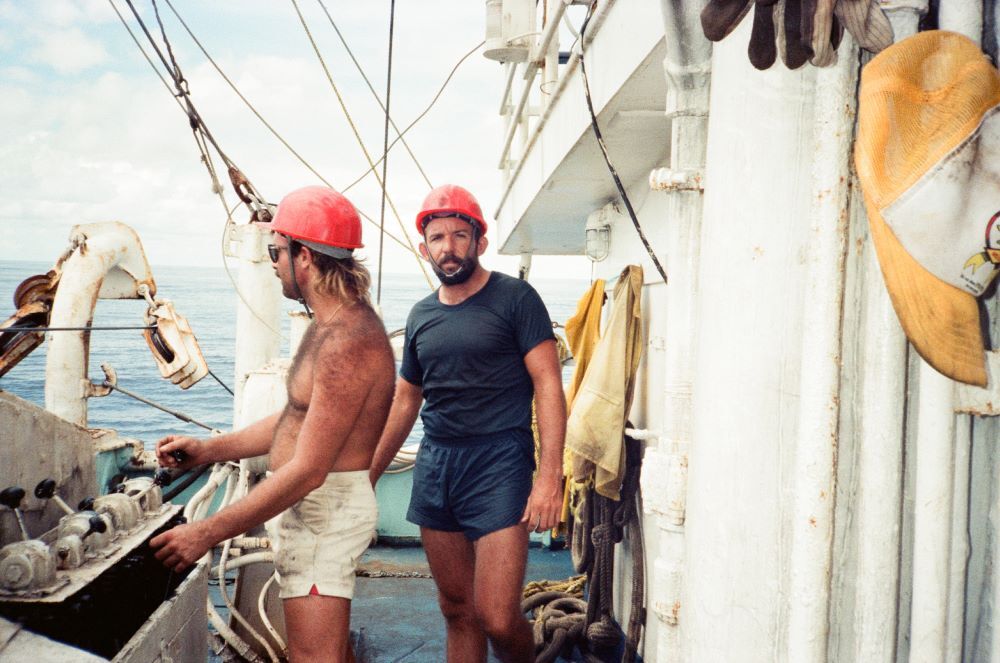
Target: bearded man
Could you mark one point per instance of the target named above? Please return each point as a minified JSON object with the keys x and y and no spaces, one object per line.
{"x":477,"y":351}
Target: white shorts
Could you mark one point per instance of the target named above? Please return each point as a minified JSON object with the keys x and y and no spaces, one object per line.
{"x":318,"y":541}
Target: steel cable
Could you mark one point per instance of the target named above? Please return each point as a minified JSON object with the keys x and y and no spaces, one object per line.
{"x":422,"y":113}
{"x":360,"y":141}
{"x":385,"y":150}
{"x":384,"y":106}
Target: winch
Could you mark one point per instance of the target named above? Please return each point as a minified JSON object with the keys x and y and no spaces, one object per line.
{"x":92,"y":581}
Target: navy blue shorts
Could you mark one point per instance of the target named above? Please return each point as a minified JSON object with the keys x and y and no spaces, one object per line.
{"x":474,"y":486}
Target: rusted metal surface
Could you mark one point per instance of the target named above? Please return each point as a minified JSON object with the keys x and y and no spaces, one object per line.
{"x":106,"y":261}
{"x":33,"y":298}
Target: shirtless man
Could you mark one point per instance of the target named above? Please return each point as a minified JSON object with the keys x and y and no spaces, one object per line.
{"x":339,"y":392}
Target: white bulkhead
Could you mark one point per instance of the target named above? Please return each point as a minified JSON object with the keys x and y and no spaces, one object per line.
{"x":809,"y":492}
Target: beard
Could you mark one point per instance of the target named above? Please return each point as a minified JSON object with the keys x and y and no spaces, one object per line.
{"x":460,"y":274}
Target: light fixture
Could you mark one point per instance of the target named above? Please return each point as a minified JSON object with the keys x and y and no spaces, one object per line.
{"x":598,"y":235}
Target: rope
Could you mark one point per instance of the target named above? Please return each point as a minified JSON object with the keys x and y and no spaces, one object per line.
{"x":360,"y":141}
{"x":385,"y":150}
{"x":268,"y":126}
{"x":378,"y":99}
{"x":144,"y":54}
{"x":202,"y":136}
{"x":419,"y":117}
{"x":600,"y":524}
{"x":558,"y":616}
{"x":29,"y":330}
{"x":221,"y":382}
{"x":180,"y":415}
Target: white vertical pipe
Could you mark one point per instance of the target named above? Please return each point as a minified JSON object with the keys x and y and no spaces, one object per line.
{"x":880,"y":446}
{"x":819,"y":387}
{"x":880,"y":472}
{"x":935,"y":616}
{"x":962,"y":16}
{"x":960,"y":544}
{"x":965,"y":17}
{"x":932,"y":515}
{"x":257,"y":318}
{"x":687,"y":68}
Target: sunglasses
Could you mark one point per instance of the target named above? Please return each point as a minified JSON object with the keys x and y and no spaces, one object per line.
{"x":273,"y":251}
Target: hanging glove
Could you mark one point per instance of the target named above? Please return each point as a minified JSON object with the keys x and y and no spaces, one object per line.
{"x":762,"y":49}
{"x":794,"y":21}
{"x":827,"y":33}
{"x":720,"y":17}
{"x":867,"y":22}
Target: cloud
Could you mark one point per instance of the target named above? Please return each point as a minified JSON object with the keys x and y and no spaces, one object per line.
{"x":68,"y":51}
{"x":103,"y":139}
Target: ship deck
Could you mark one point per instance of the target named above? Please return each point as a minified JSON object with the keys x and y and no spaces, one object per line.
{"x":395,"y":615}
{"x":396,"y":618}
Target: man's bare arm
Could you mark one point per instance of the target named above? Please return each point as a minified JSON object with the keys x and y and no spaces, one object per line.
{"x":338,"y":394}
{"x":254,"y":440}
{"x":402,"y":415}
{"x":545,"y":501}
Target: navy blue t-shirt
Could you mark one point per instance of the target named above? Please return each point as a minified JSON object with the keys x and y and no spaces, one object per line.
{"x":469,"y":358}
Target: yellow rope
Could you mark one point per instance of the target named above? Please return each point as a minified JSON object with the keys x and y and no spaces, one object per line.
{"x":572,"y":585}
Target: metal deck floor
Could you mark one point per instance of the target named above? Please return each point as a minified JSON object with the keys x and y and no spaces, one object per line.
{"x":397,"y":618}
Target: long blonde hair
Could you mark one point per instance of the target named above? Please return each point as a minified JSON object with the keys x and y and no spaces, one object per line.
{"x":345,"y":278}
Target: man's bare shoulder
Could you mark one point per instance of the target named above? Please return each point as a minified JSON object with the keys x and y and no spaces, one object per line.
{"x":356,"y":338}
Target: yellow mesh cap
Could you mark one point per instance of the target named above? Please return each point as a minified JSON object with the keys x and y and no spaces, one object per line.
{"x":928,"y":158}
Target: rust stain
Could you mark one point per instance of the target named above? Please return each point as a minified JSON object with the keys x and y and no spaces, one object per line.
{"x":757,"y":252}
{"x":812,"y":522}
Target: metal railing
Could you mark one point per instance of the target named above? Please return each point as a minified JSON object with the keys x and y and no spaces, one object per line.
{"x":533,"y":100}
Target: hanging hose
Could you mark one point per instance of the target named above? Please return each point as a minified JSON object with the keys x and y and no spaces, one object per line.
{"x":190,"y":477}
{"x":220,"y":471}
{"x":262,"y":611}
{"x":236,"y":642}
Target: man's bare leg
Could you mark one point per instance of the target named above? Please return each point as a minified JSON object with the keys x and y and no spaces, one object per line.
{"x":319,"y":629}
{"x":499,"y":584}
{"x":452,"y":563}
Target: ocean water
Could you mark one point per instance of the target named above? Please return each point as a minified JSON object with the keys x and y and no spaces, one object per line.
{"x":206,"y":297}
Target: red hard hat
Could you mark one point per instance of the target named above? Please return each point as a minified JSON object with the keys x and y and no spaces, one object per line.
{"x":450,"y":199}
{"x":321,"y":215}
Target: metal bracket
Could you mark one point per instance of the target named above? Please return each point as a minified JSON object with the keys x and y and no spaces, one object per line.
{"x":668,"y":179}
{"x":981,"y":401}
{"x":664,"y":487}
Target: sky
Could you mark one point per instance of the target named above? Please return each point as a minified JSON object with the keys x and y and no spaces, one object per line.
{"x":89,"y":133}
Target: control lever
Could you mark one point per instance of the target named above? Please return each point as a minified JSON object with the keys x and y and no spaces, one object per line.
{"x":11,"y":498}
{"x":86,"y":504}
{"x":24,"y":564}
{"x":46,"y":490}
{"x":162,"y":477}
{"x":179,"y":455}
{"x":97,"y":525}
